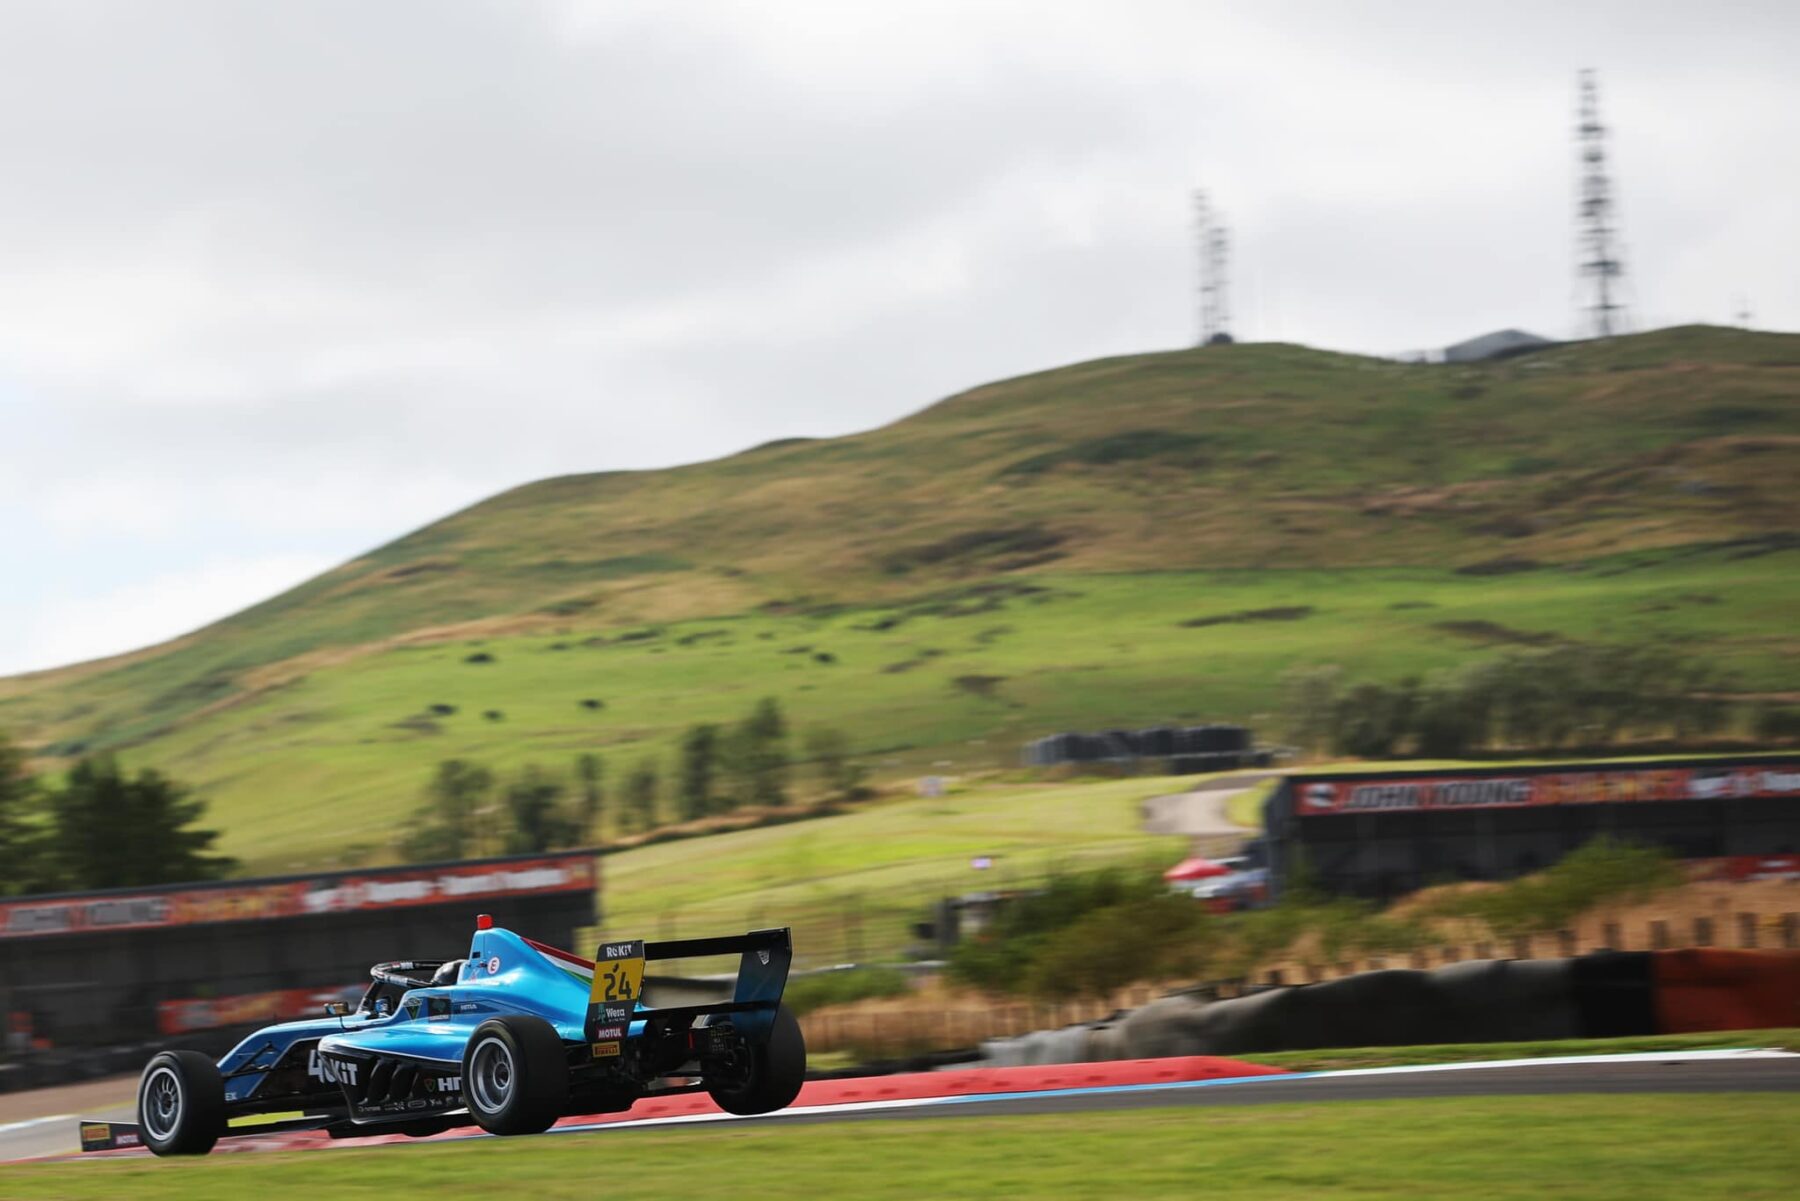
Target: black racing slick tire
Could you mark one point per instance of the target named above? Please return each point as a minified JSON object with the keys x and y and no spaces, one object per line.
{"x":777,"y":1070}
{"x":515,"y":1075}
{"x":181,"y":1104}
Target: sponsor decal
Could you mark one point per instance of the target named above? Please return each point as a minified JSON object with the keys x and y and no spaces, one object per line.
{"x":622,"y":950}
{"x":762,"y":957}
{"x":411,"y":1106}
{"x":1319,"y":796}
{"x":340,"y":893}
{"x":613,"y":1033}
{"x":331,"y":1071}
{"x":109,"y":1136}
{"x":447,"y":1084}
{"x":493,"y":965}
{"x":1599,"y":786}
{"x":606,"y":1050}
{"x":1750,"y":868}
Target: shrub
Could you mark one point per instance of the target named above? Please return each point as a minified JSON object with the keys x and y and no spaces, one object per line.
{"x":806,"y":993}
{"x":1777,"y":725}
{"x":1002,"y":959}
{"x":1143,"y":939}
{"x":1598,"y":872}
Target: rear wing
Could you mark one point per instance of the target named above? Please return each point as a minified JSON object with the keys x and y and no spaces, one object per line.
{"x":764,"y":959}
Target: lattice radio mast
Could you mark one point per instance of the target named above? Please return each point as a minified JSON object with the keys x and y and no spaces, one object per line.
{"x":1213,"y":245}
{"x":1599,"y":264}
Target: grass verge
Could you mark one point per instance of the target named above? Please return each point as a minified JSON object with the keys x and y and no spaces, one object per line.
{"x":1632,"y":1147}
{"x":1334,"y":1058}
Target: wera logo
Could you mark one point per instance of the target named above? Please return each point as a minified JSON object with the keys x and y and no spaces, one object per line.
{"x":328,"y":1070}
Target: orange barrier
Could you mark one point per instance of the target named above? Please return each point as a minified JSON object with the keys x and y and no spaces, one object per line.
{"x":1708,"y":989}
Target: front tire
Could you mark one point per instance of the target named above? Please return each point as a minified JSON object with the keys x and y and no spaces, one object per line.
{"x":181,"y":1104}
{"x":515,"y":1075}
{"x":777,"y":1070}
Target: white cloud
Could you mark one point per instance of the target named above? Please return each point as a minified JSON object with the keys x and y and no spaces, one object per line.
{"x":148,"y":610}
{"x":282,"y":281}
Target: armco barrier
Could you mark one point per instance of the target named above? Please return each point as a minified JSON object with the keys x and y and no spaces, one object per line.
{"x":1703,"y":989}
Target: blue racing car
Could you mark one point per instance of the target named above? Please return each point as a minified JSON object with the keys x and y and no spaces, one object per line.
{"x":511,"y":1038}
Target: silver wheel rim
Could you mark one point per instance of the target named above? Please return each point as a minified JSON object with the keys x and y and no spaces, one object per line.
{"x":162,"y":1103}
{"x":491,"y":1075}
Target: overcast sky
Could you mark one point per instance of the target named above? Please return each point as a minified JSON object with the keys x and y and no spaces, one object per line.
{"x":279,"y":282}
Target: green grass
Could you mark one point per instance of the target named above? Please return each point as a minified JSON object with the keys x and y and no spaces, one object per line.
{"x":1013,"y":561}
{"x":1335,"y":1058}
{"x":336,"y":758}
{"x":1473,"y":1149}
{"x":851,"y":885}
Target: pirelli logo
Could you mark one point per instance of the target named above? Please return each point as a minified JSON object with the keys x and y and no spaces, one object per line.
{"x":606,"y":1050}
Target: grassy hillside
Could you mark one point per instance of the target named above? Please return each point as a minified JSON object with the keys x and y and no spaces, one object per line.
{"x":1135,"y":539}
{"x":851,"y":886}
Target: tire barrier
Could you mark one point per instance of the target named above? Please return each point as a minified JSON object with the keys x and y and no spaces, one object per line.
{"x":1704,"y":989}
{"x":1188,"y":750}
{"x":1613,"y":994}
{"x":1609,"y":994}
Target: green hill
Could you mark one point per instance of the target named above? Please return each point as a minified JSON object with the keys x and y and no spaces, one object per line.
{"x":1134,"y":539}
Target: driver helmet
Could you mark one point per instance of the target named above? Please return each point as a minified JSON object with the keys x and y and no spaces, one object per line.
{"x":447,"y":973}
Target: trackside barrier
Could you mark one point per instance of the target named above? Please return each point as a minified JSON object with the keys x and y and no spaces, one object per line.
{"x":1699,"y":990}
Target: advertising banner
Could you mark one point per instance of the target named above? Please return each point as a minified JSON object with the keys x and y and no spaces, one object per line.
{"x":345,"y":892}
{"x":209,"y":1013}
{"x":1613,"y":785}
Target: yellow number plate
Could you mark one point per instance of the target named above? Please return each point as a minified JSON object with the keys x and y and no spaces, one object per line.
{"x":618,"y":972}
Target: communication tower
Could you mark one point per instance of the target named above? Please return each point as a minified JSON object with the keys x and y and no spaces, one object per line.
{"x":1599,"y":264}
{"x":1213,"y":244}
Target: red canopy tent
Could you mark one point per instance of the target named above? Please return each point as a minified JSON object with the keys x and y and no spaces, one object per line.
{"x":1195,"y":869}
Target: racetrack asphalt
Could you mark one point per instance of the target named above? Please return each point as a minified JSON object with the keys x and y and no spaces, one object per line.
{"x":1675,"y":1073}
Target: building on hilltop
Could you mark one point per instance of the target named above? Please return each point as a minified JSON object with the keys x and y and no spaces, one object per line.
{"x":1500,"y":343}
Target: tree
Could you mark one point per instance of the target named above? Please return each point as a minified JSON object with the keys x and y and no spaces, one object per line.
{"x":1372,"y":718}
{"x":108,"y":830}
{"x":19,"y":796}
{"x":829,"y":749}
{"x":641,"y":787}
{"x":758,"y":756}
{"x":448,"y":824}
{"x":537,"y":820}
{"x":591,"y":771}
{"x":1309,"y":699}
{"x":699,"y":767}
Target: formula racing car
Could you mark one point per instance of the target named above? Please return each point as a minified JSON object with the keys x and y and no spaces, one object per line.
{"x":511,"y":1038}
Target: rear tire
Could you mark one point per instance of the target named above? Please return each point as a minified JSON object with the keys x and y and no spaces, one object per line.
{"x":181,"y":1104}
{"x":515,"y":1075}
{"x":777,"y":1070}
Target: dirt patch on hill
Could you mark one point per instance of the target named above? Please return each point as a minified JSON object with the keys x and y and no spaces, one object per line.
{"x":1278,"y":613}
{"x":1492,"y":633}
